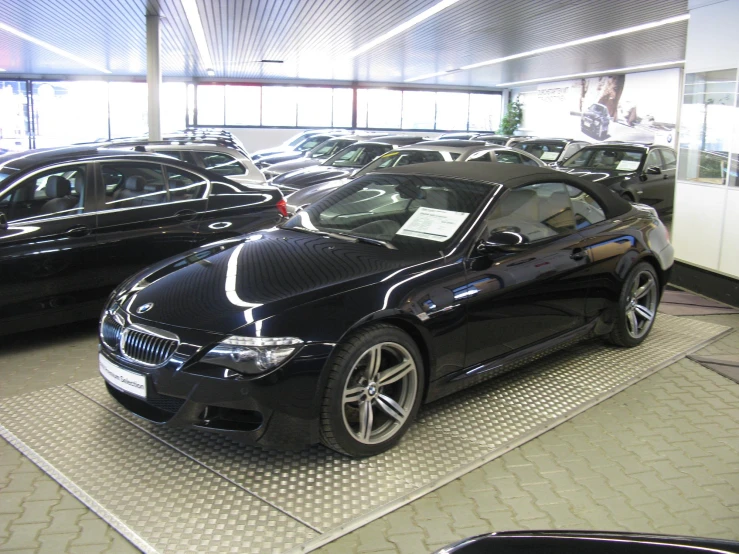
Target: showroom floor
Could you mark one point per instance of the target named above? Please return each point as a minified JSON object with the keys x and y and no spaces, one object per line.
{"x":663,"y":456}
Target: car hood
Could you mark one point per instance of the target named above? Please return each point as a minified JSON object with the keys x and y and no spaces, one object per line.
{"x":301,"y":178}
{"x":291,"y":165}
{"x":268,"y":152}
{"x":224,"y":286}
{"x":597,"y":175}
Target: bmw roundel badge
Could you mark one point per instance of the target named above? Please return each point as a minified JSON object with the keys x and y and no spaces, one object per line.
{"x":144,"y":308}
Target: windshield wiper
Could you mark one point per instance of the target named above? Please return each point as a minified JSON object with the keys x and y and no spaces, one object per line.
{"x":377,"y":242}
{"x":339,"y":236}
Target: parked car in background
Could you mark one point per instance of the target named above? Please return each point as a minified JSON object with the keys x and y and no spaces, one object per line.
{"x":406,"y":285}
{"x":595,"y":121}
{"x":638,"y":172}
{"x":305,"y":145}
{"x":76,"y":221}
{"x":449,"y":150}
{"x":513,"y":142}
{"x":318,"y":154}
{"x":342,"y":165}
{"x":457,"y":136}
{"x":587,"y":542}
{"x":501,"y":140}
{"x":220,"y":157}
{"x":191,"y":135}
{"x":552,"y":150}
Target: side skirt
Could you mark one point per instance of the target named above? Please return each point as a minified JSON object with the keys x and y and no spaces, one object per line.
{"x":471,"y":376}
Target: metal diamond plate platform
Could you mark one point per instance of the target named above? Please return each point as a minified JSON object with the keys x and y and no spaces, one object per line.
{"x":171,"y":490}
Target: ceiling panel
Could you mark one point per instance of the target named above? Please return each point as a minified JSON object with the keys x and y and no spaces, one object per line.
{"x":313,"y":38}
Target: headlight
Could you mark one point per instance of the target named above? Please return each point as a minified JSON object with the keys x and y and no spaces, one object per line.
{"x":252,"y":355}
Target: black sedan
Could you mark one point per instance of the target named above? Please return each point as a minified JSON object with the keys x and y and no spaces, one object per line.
{"x":638,"y":172}
{"x":75,"y":222}
{"x":397,"y":289}
{"x":595,"y":121}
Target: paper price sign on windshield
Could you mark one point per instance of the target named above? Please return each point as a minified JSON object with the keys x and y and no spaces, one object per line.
{"x":627,"y":165}
{"x":549,"y":156}
{"x":432,"y":224}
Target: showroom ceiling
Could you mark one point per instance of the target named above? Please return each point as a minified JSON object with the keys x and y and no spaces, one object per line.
{"x":338,"y":39}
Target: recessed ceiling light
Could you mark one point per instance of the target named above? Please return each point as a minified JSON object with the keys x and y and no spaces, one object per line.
{"x":211,"y":72}
{"x":593,"y":73}
{"x":51,"y":47}
{"x":412,"y":22}
{"x":196,"y":25}
{"x":578,"y":42}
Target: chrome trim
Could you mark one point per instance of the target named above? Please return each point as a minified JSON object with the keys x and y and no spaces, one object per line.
{"x":155,"y":349}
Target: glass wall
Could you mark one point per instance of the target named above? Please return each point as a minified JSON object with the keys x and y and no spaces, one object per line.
{"x":13,"y":116}
{"x":66,"y":112}
{"x":708,"y":128}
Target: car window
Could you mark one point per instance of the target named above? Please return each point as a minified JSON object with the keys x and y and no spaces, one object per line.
{"x":670,"y":161}
{"x":653,"y":160}
{"x":312,"y":143}
{"x":536,"y":212}
{"x":132,"y":184}
{"x":184,"y":185}
{"x":548,"y":152}
{"x":606,"y":158}
{"x":358,"y":155}
{"x":480,"y":156}
{"x":222,"y":164}
{"x":586,"y":209}
{"x":570,"y":149}
{"x":330,"y":147}
{"x":53,"y":193}
{"x":504,"y":157}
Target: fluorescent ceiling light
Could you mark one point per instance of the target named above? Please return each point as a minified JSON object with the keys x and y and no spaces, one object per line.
{"x":593,"y":73}
{"x":578,"y":42}
{"x":423,"y":16}
{"x":51,"y":47}
{"x":196,"y":24}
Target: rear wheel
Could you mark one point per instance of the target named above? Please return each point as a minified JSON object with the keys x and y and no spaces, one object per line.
{"x":374,"y":390}
{"x":637,"y":306}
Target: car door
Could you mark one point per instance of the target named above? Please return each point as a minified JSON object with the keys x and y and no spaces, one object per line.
{"x":657,"y":182}
{"x":669,"y":171}
{"x":147,"y":211}
{"x":523,"y":297}
{"x":48,"y":262}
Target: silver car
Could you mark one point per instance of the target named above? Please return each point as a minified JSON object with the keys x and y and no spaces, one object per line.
{"x":447,"y":150}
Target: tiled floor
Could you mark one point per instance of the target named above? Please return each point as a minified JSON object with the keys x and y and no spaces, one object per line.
{"x":661,"y":456}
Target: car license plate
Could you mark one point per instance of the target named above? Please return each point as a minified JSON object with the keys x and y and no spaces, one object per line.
{"x":123,"y":379}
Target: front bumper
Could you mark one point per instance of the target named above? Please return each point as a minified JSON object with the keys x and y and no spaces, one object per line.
{"x":280,"y":409}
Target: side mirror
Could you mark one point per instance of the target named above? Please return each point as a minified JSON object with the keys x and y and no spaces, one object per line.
{"x":503,"y":241}
{"x":3,"y":222}
{"x":654,"y":170}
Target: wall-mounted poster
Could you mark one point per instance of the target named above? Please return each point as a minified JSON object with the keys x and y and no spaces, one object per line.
{"x":639,"y":107}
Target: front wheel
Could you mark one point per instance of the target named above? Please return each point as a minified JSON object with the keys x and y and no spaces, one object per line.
{"x":376,"y":380}
{"x":637,"y":306}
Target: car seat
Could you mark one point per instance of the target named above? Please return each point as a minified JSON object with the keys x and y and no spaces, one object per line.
{"x":59,"y":190}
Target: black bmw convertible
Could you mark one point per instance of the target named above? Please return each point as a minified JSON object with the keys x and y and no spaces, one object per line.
{"x":396,"y":289}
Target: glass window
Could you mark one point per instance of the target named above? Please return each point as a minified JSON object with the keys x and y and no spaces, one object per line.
{"x":132,"y":184}
{"x":53,"y":193}
{"x":173,"y":106}
{"x":606,"y":158}
{"x":546,"y":151}
{"x":653,"y":160}
{"x":343,"y":106}
{"x":184,"y":185}
{"x":315,"y":106}
{"x":128,"y":109}
{"x":330,"y":147}
{"x":358,"y":155}
{"x":419,"y":109}
{"x":67,"y":112}
{"x":13,"y":116}
{"x":535,"y":212}
{"x":706,"y":126}
{"x":243,"y":105}
{"x":505,"y":157}
{"x":481,"y":156}
{"x":586,"y":209}
{"x":379,"y":108}
{"x":399,"y":158}
{"x":211,"y":104}
{"x":452,"y":109}
{"x":279,"y":106}
{"x":669,"y":157}
{"x":223,"y":164}
{"x":485,"y":112}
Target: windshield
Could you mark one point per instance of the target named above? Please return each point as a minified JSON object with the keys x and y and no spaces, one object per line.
{"x":311,"y":142}
{"x":407,"y":212}
{"x":545,"y":151}
{"x":606,"y":158}
{"x":297,"y":139}
{"x":330,"y":147}
{"x":4,"y":176}
{"x":357,"y":155}
{"x":396,"y":158}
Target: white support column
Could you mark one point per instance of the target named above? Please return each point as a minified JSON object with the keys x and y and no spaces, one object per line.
{"x":153,"y":76}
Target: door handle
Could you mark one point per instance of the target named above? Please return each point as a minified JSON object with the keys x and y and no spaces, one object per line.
{"x":79,"y":231}
{"x":578,"y":254}
{"x":186,"y":215}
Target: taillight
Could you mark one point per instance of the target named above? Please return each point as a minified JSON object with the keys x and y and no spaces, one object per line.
{"x":282,"y":207}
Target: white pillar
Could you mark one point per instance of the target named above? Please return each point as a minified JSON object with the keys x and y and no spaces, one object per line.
{"x":153,"y":76}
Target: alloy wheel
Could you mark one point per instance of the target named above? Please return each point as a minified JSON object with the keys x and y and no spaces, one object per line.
{"x":379,"y":393}
{"x":641,"y":304}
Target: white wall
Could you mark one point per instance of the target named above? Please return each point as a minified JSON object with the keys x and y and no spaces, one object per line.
{"x":705,"y":229}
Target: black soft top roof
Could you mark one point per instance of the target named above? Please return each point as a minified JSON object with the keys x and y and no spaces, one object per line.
{"x":513,"y":176}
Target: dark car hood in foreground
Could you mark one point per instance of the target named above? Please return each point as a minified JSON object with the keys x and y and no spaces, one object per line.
{"x":301,"y":178}
{"x":227,"y":285}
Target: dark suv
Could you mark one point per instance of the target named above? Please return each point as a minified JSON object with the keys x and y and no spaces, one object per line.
{"x":595,"y":120}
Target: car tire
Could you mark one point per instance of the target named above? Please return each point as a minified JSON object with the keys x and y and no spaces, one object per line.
{"x":361,"y":416}
{"x":637,"y":306}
